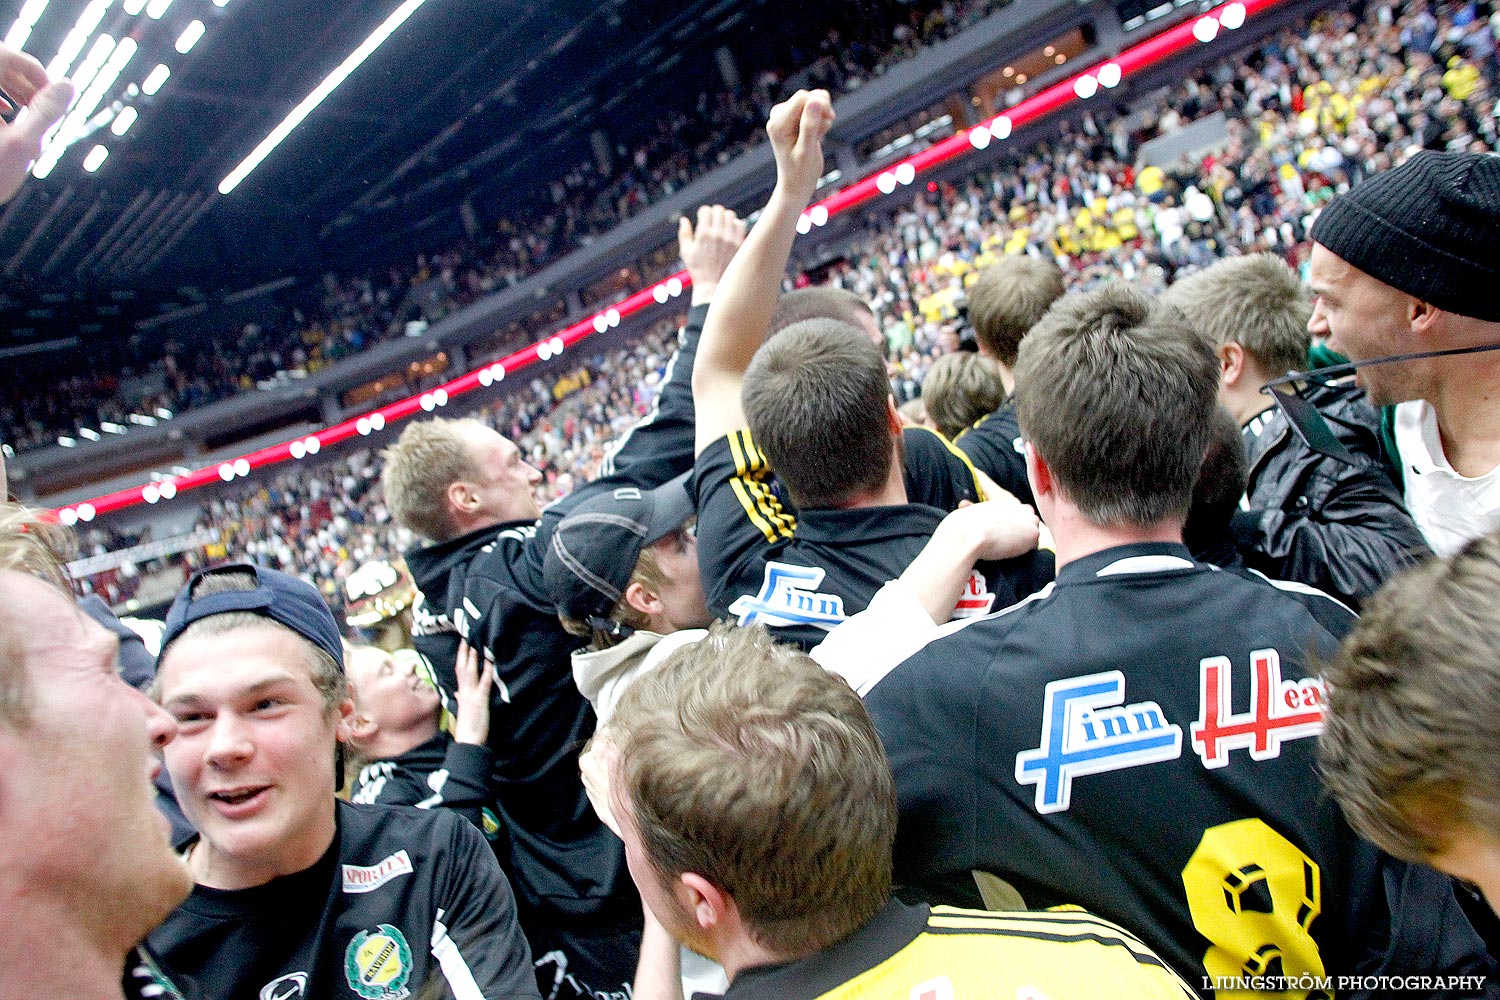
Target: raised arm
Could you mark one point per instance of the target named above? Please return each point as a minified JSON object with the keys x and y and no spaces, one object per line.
{"x":746,"y":297}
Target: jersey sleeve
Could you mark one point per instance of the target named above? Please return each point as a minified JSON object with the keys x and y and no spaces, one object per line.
{"x":659,"y":446}
{"x":477,"y":944}
{"x":740,"y":519}
{"x":937,"y":473}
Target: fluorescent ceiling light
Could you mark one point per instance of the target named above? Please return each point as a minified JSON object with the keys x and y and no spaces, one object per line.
{"x":124,"y":120}
{"x":319,"y":94}
{"x":134,"y":7}
{"x":95,"y":159}
{"x":156,"y":8}
{"x":77,"y":38}
{"x":155,"y":79}
{"x":189,"y":37}
{"x":19,"y":32}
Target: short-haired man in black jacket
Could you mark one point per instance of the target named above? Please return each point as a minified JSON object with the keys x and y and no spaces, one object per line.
{"x":1334,"y":524}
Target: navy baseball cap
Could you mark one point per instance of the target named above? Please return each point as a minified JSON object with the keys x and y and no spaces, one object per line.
{"x":282,"y":598}
{"x":595,"y":548}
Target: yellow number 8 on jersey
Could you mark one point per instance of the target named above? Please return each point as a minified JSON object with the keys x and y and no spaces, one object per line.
{"x":1254,"y":895}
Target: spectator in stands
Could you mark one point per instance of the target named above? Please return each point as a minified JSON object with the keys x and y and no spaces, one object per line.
{"x":1115,"y":396}
{"x":251,"y":669}
{"x":1333,"y":524}
{"x":1410,"y":745}
{"x":1405,"y":263}
{"x":86,"y":876}
{"x":1007,"y":299}
{"x":817,"y":400}
{"x":959,"y":389}
{"x":758,"y":813}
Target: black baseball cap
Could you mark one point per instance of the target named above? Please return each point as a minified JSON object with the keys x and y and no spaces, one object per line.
{"x":595,"y":548}
{"x":282,"y":598}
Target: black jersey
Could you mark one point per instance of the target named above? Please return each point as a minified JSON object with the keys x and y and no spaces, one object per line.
{"x":565,"y":863}
{"x":437,"y":774}
{"x":1139,"y":740}
{"x":402,"y":902}
{"x":800,"y":575}
{"x":995,"y":446}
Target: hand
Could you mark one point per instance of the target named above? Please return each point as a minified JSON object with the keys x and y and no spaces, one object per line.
{"x":796,"y":128}
{"x":471,"y":722}
{"x":1001,"y":527}
{"x":43,"y":104}
{"x":708,"y":250}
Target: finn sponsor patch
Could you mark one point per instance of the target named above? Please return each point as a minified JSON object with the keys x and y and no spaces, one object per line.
{"x":359,"y":879}
{"x":1086,"y":729}
{"x":788,"y":596}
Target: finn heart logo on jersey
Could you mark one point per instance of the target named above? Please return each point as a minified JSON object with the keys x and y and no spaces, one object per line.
{"x":1087,"y":728}
{"x":1279,"y":710}
{"x":1083,"y":733}
{"x":787,"y":597}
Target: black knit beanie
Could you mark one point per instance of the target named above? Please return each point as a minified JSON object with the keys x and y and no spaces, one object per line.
{"x":1430,"y":227}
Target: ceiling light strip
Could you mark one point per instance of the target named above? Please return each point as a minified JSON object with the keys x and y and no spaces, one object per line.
{"x":319,"y":94}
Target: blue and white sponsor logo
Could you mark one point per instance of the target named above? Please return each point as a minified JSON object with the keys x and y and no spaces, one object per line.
{"x":1087,"y":729}
{"x":787,"y":597}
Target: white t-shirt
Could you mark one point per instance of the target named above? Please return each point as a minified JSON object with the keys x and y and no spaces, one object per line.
{"x":1449,"y":508}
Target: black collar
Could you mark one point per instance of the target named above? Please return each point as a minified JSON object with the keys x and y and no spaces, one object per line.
{"x":1089,"y":567}
{"x":860,"y":525}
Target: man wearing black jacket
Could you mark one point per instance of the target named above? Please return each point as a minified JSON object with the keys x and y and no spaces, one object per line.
{"x":1336,"y":525}
{"x":468,"y":489}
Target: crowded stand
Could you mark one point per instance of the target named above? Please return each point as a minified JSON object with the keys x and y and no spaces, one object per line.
{"x":1076,"y":580}
{"x":346,"y":314}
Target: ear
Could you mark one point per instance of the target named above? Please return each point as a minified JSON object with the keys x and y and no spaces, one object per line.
{"x":647,"y":602}
{"x":343,"y":729}
{"x":460,"y":497}
{"x":710,"y":906}
{"x":1038,"y":472}
{"x":361,"y":728}
{"x":1423,"y":317}
{"x":893,"y":417}
{"x":1231,"y":364}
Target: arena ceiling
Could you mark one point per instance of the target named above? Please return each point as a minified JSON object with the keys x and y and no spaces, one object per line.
{"x":466,"y":99}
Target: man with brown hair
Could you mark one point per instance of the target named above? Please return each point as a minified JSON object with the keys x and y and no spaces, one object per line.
{"x":825,"y":301}
{"x":1006,"y":300}
{"x":813,"y":404}
{"x":959,"y":389}
{"x":1334,"y":523}
{"x":89,"y":868}
{"x":1412,"y":747}
{"x":758,"y":813}
{"x":1138,"y":738}
{"x":467,"y":489}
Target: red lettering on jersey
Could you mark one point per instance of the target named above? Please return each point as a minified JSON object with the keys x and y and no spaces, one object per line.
{"x":1279,"y":710}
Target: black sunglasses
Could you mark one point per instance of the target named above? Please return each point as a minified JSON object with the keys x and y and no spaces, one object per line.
{"x":1308,"y":424}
